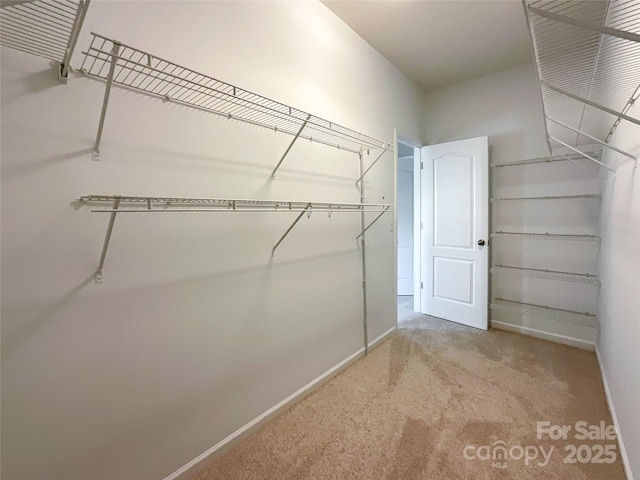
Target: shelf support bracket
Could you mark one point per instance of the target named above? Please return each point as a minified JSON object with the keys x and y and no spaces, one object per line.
{"x":597,"y":140}
{"x":372,"y":222}
{"x":591,"y":104}
{"x":582,"y":153}
{"x":105,"y":102}
{"x":305,"y":210}
{"x":286,"y":152}
{"x":614,"y":32}
{"x":107,"y":237}
{"x":63,"y":67}
{"x":370,"y":167}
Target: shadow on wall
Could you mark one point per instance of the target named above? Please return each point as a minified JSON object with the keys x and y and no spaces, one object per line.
{"x":31,"y":83}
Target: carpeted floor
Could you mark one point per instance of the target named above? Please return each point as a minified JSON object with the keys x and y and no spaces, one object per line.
{"x":433,"y":402}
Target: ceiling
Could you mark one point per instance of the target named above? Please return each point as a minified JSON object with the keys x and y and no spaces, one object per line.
{"x":440,"y":43}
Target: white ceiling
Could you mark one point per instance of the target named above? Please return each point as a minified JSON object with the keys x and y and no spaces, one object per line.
{"x":440,"y":43}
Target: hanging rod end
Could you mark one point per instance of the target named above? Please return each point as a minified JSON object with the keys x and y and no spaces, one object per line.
{"x":98,"y":277}
{"x":95,"y":155}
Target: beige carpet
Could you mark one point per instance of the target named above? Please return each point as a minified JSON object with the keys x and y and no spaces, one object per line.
{"x":409,"y":409}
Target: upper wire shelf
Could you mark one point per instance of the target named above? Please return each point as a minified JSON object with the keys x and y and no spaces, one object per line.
{"x":129,"y":67}
{"x":564,"y":157}
{"x":45,"y":28}
{"x":117,"y":204}
{"x":586,"y":57}
{"x":543,"y":311}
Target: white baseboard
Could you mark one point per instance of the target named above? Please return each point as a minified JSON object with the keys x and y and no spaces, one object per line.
{"x":623,"y":451}
{"x":187,"y":471}
{"x":553,"y":337}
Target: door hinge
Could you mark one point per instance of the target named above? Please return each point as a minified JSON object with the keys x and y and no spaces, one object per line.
{"x":421,"y":165}
{"x":421,"y":225}
{"x":421,"y":285}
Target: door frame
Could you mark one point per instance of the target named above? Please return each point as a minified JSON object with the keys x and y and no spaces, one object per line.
{"x":417,"y":144}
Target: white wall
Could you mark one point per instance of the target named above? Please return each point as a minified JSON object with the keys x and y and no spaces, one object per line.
{"x":404,"y":207}
{"x":619,"y":313}
{"x":507,"y":107}
{"x":196,"y":330}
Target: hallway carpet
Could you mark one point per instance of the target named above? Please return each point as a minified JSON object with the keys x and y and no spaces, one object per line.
{"x":430,"y":396}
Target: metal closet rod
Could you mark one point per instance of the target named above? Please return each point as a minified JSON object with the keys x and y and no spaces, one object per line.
{"x":219,"y":205}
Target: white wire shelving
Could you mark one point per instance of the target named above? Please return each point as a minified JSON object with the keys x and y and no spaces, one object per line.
{"x":45,"y":28}
{"x":590,"y":196}
{"x":586,"y":54}
{"x":546,"y":236}
{"x":543,"y":311}
{"x":123,"y":65}
{"x":586,"y":278}
{"x":116,"y":204}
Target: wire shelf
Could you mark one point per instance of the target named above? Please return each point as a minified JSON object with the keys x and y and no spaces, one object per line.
{"x":129,"y":67}
{"x":586,"y":278}
{"x":556,"y":158}
{"x":45,"y":28}
{"x":555,"y":197}
{"x":546,"y":236}
{"x":586,"y":56}
{"x":117,"y":204}
{"x":543,"y":311}
{"x":134,"y":204}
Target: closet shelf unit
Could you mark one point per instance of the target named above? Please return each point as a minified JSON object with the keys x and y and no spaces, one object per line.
{"x":119,"y":64}
{"x":543,"y":311}
{"x":547,"y":236}
{"x":47,"y":29}
{"x":116,"y":204}
{"x":579,"y":47}
{"x":587,"y":278}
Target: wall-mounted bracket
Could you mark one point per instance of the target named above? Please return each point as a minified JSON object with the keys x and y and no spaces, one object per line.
{"x":597,"y":140}
{"x":306,"y":209}
{"x":107,"y":238}
{"x":372,"y":222}
{"x":371,"y":166}
{"x":591,"y":104}
{"x":582,"y":153}
{"x":105,"y":101}
{"x":286,"y":152}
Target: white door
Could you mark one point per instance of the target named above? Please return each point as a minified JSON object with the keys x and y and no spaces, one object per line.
{"x":455,"y":216}
{"x":405,"y":225}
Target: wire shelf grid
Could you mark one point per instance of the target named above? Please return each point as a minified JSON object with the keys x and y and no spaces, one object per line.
{"x":45,"y":28}
{"x":587,"y":278}
{"x":543,"y":311}
{"x":147,"y":73}
{"x":587,"y":60}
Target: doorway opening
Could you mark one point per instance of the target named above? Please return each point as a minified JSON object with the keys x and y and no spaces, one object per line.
{"x":408,"y":226}
{"x":442,"y":232}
